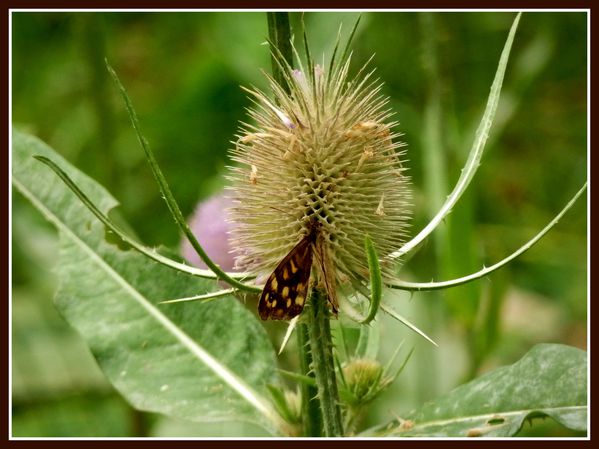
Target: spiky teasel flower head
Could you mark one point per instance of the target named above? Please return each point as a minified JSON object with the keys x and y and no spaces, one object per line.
{"x":363,"y":379}
{"x":320,"y":152}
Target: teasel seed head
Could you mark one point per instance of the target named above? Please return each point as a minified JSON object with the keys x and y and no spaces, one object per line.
{"x":321,"y":150}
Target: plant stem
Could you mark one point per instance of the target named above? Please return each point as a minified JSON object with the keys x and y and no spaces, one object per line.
{"x":312,"y":419}
{"x":323,"y":364}
{"x":279,"y":33}
{"x":319,"y":353}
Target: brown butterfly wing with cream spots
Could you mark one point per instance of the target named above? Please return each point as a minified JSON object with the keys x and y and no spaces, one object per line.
{"x":286,"y":289}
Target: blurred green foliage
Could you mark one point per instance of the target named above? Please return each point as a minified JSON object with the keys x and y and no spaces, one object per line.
{"x":183,"y":72}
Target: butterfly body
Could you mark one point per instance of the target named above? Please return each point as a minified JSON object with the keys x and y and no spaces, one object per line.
{"x":286,"y":289}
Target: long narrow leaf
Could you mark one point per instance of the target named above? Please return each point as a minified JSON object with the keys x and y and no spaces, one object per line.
{"x":388,"y":309}
{"x":476,"y":152}
{"x":151,"y":253}
{"x":205,"y":297}
{"x":404,"y":285}
{"x":166,"y":191}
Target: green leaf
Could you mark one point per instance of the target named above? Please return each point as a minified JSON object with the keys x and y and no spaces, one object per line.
{"x":201,"y":362}
{"x":168,"y":195}
{"x":550,"y":380}
{"x":375,"y":280}
{"x":417,"y":286}
{"x":476,"y":152}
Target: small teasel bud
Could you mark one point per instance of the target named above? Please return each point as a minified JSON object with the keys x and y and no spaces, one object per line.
{"x":363,"y":380}
{"x":321,"y":154}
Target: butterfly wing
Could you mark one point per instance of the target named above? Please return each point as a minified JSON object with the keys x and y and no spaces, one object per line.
{"x":286,"y":289}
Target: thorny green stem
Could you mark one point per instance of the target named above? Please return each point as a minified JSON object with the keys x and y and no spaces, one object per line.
{"x":312,"y":419}
{"x":279,"y":34}
{"x":323,"y":363}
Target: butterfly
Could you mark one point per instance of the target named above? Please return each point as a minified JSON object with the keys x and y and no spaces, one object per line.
{"x":286,"y":289}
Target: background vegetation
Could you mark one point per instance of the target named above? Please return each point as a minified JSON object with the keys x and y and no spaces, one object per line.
{"x":183,"y":72}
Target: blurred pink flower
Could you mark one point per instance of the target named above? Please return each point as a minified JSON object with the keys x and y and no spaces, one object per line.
{"x":210,"y":225}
